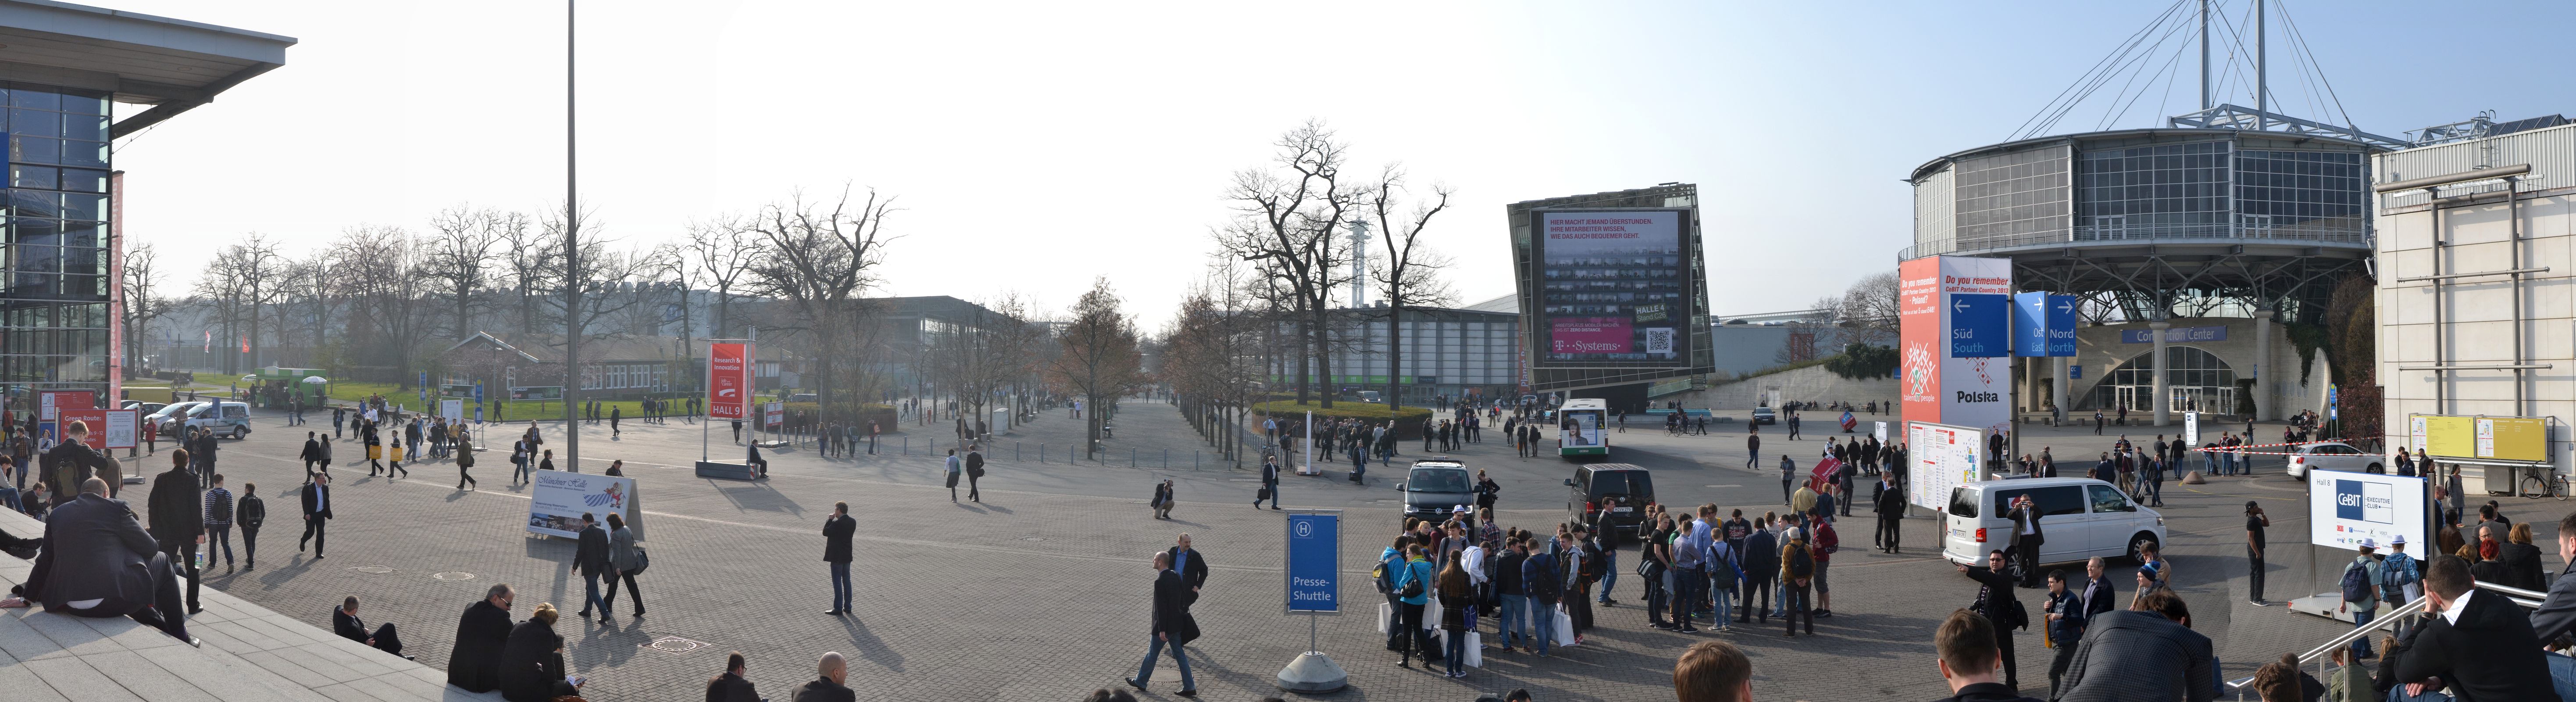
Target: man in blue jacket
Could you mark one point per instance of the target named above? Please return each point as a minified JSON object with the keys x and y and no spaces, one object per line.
{"x":1543,"y":584}
{"x":1761,"y":565}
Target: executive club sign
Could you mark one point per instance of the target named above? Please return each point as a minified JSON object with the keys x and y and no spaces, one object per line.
{"x":1955,"y":327}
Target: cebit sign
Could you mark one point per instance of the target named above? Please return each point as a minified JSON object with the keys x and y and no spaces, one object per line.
{"x":1954,"y":329}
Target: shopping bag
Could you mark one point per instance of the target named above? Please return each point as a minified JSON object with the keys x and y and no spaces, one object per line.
{"x":1385,"y":617}
{"x":1564,"y":627}
{"x":1475,"y":650}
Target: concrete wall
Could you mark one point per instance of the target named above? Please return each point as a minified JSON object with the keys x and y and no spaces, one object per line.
{"x":1809,"y":384}
{"x":2099,"y":350}
{"x":2476,"y":314}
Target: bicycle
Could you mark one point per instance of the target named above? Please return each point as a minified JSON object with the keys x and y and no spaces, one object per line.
{"x":2534,"y":485}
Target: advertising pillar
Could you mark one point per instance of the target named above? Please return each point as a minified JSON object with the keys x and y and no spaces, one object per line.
{"x":1954,"y":325}
{"x":728,"y":381}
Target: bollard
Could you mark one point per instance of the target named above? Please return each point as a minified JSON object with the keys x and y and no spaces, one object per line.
{"x":1015,"y":451}
{"x":907,"y":445}
{"x":1167,"y":459}
{"x":1194,"y":460}
{"x":1131,"y":456}
{"x":1041,"y":453}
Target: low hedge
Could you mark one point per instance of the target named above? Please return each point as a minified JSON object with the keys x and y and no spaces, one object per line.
{"x":1408,"y":423}
{"x":843,"y":413}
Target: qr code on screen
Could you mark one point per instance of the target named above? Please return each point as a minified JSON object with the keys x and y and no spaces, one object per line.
{"x":1659,"y":340}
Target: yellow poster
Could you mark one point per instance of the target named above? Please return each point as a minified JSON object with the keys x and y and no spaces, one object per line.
{"x":2487,"y":438}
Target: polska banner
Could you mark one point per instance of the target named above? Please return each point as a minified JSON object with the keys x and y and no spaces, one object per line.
{"x":1823,"y":473}
{"x":729,"y":381}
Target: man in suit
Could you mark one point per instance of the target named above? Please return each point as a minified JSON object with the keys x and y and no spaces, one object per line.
{"x":312,"y":452}
{"x":475,"y":664}
{"x":1890,"y":508}
{"x":1269,"y":484}
{"x":97,"y":562}
{"x":177,"y":524}
{"x":2557,"y":614}
{"x":837,"y":530}
{"x":2481,"y":647}
{"x":317,"y":511}
{"x":1193,"y":569}
{"x":1172,"y":626}
{"x":2100,"y":594}
{"x":2026,"y":538}
{"x":591,"y":559}
{"x":345,"y":622}
{"x":2148,"y":652}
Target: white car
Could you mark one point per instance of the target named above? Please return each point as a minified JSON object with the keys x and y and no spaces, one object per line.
{"x":2333,"y":455}
{"x":2080,"y":518}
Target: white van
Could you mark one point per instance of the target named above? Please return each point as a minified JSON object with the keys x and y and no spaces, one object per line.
{"x":2080,"y":518}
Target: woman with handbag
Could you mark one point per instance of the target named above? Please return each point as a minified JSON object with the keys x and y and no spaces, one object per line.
{"x":1413,"y":591}
{"x":1457,"y":615}
{"x":624,"y":558}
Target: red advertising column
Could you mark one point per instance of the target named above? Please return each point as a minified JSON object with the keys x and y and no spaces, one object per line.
{"x":1920,"y":338}
{"x":116,"y":359}
{"x":728,"y":381}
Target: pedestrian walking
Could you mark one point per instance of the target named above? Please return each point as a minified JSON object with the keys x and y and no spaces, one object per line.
{"x":1269,"y":484}
{"x":590,"y":559}
{"x":624,"y":558}
{"x":311,"y":454}
{"x":1788,"y":480}
{"x":1171,"y":627}
{"x":974,"y":473}
{"x":219,"y":522}
{"x":614,"y":414}
{"x":250,"y":512}
{"x":465,"y":470}
{"x":375,"y":444}
{"x":955,"y":470}
{"x":837,"y":531}
{"x":178,"y":521}
{"x":317,"y":513}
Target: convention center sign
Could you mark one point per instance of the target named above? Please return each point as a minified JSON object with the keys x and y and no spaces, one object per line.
{"x":1613,"y":287}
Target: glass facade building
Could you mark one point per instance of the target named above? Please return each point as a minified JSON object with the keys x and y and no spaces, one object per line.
{"x":2141,"y":185}
{"x":54,"y":323}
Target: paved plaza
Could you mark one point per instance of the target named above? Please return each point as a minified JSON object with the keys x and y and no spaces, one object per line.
{"x":1041,"y":591}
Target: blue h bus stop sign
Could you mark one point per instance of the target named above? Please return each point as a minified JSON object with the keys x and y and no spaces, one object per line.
{"x":1314,"y":563}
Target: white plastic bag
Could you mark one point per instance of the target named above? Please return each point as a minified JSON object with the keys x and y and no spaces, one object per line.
{"x":1475,"y":650}
{"x":1385,"y":617}
{"x":1564,"y":627}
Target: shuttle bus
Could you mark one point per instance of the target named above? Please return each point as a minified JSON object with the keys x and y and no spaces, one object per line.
{"x":1580,"y":424}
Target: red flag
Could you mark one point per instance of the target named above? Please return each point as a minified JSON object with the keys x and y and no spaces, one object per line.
{"x":210,"y":342}
{"x":245,"y":344}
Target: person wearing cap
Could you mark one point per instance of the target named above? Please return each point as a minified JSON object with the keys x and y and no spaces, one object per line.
{"x":2366,"y":606}
{"x":2403,"y":576}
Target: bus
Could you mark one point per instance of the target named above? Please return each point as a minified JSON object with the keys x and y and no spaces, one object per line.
{"x":1580,"y":425}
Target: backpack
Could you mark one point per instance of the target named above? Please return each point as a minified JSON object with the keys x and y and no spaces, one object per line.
{"x":1802,"y":564}
{"x":2398,"y":571}
{"x":1722,"y":566}
{"x":1384,"y":580}
{"x":2356,"y":583}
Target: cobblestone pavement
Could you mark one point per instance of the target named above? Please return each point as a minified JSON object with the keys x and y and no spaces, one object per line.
{"x":1041,"y":592}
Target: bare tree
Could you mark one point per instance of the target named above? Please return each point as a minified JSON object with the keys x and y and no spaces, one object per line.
{"x":1408,"y":275}
{"x":535,"y":269}
{"x":990,"y":350}
{"x":143,"y":301}
{"x":460,"y":258}
{"x":389,"y":308}
{"x":724,"y":250}
{"x":1290,"y":220}
{"x":1097,"y":356}
{"x":1868,"y":309}
{"x":819,"y":258}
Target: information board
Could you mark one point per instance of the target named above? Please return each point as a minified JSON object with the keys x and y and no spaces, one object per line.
{"x":1944,"y":457}
{"x":2498,"y":439}
{"x":51,"y":401}
{"x":537,"y":392}
{"x":120,"y":427}
{"x":560,"y":498}
{"x":1314,"y":563}
{"x":2347,"y":507}
{"x":453,"y":410}
{"x":95,"y":419}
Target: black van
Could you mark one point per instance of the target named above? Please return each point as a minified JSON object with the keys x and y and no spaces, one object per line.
{"x":1625,"y":488}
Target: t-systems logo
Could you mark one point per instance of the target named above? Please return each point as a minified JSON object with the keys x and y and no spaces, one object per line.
{"x":2361,"y":501}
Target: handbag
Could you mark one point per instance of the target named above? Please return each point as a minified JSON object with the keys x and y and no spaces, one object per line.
{"x":643,"y":560}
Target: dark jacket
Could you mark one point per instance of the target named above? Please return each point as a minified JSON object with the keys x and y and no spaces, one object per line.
{"x":824,"y":690}
{"x":349,"y":626}
{"x":2130,"y":655}
{"x":312,"y":450}
{"x":177,"y":509}
{"x":475,"y":664}
{"x":1507,"y":573}
{"x":94,"y":550}
{"x":1890,"y":501}
{"x":730,"y":688}
{"x":2489,"y":655}
{"x":1987,"y":692}
{"x":531,"y":663}
{"x":313,"y":494}
{"x":2069,"y":627}
{"x":2026,"y":518}
{"x":2522,"y":565}
{"x":1540,"y":577}
{"x":1993,"y":597}
{"x":1761,"y":555}
{"x":591,"y":557}
{"x":63,"y":469}
{"x":250,"y":512}
{"x":836,"y":538}
{"x":1194,"y":573}
{"x":2105,"y":597}
{"x":1172,"y":608}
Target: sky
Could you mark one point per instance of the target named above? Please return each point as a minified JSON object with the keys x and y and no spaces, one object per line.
{"x":1033,"y":146}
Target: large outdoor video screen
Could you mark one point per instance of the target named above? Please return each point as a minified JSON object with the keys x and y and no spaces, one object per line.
{"x":1613,"y":288}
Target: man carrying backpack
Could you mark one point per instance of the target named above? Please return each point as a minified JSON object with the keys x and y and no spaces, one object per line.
{"x":2400,"y":577}
{"x":2361,"y":583}
{"x":1723,"y":574}
{"x":1543,"y":582}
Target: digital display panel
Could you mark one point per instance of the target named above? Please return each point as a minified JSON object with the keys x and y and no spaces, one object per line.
{"x":1613,"y":287}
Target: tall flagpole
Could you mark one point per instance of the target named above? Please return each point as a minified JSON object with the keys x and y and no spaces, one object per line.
{"x":572,"y":261}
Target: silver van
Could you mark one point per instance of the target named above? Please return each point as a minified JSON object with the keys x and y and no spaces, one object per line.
{"x":2080,"y":518}
{"x":230,"y":419}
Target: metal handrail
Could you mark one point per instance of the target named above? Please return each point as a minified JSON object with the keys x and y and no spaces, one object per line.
{"x":2524,"y":598}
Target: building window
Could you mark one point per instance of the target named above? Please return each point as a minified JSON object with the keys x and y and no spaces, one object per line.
{"x":2301,"y":194}
{"x":2010,"y":197}
{"x":2159,"y":191}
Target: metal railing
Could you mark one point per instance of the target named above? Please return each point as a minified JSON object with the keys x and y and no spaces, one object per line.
{"x":2319,"y":655}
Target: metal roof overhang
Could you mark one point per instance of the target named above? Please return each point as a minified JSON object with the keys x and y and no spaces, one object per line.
{"x":172,"y":65}
{"x":2177,"y":263}
{"x":1934,"y":165}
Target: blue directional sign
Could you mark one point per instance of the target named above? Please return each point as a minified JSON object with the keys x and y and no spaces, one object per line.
{"x":2043,"y":324}
{"x":1980,"y":326}
{"x":1314,"y":563}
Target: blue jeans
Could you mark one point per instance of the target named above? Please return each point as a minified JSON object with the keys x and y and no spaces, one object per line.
{"x":841,"y":586}
{"x":1725,"y":600}
{"x":1456,"y":650}
{"x":1513,"y":622}
{"x":1609,"y":575}
{"x":2361,"y":618}
{"x":1144,"y":673}
{"x":2562,"y":675}
{"x":1543,"y":615}
{"x":590,"y":594}
{"x":219,"y":535}
{"x":9,"y":496}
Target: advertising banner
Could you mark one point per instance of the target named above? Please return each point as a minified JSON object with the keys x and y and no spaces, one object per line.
{"x":560,"y":498}
{"x":537,"y":392}
{"x":2481,"y":439}
{"x":2348,"y":507}
{"x":95,"y":419}
{"x":1934,"y":385}
{"x":2191,"y":428}
{"x":1314,"y":563}
{"x":775,"y":414}
{"x":728,"y":381}
{"x":52,"y":400}
{"x":1944,"y":457}
{"x":1614,"y":286}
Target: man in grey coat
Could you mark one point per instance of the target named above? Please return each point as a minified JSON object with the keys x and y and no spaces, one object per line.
{"x":2557,"y":615}
{"x":2147,"y":652}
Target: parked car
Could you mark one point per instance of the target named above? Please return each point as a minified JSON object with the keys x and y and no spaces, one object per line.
{"x":2080,"y":517}
{"x":1625,"y":488}
{"x":167,"y":420}
{"x":2332,"y":455}
{"x":143,"y":409}
{"x":223,"y":418}
{"x":1764,"y":415}
{"x":1370,"y":396}
{"x":1435,"y":486}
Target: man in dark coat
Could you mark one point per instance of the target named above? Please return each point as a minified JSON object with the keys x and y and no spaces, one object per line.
{"x":317,"y":512}
{"x":532,"y":665}
{"x":2148,"y":652}
{"x":95,"y":553}
{"x":1186,"y":561}
{"x":312,"y":452}
{"x":1994,"y":600}
{"x":2481,"y":648}
{"x":1890,"y":508}
{"x":837,"y":530}
{"x":2026,"y":538}
{"x":835,"y":669}
{"x":591,"y":559}
{"x":1269,"y":485}
{"x":1172,"y":626}
{"x":345,"y":622}
{"x":475,"y":664}
{"x":178,"y":525}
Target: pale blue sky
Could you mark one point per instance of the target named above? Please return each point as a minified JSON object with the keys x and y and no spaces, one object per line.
{"x":1035,"y":145}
